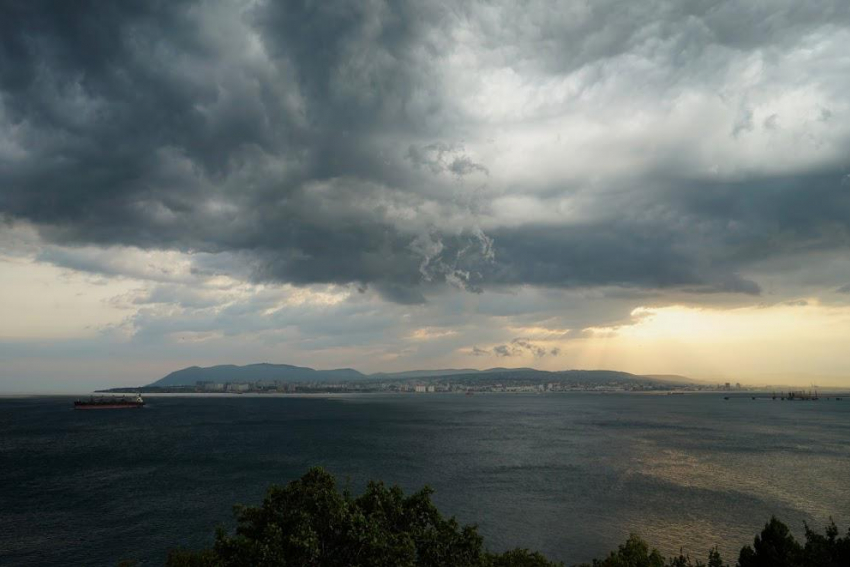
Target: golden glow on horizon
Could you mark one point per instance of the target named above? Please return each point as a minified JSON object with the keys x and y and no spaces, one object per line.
{"x":800,"y":342}
{"x":678,"y":322}
{"x":795,"y":342}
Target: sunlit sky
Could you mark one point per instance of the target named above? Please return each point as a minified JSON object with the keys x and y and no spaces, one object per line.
{"x":656,"y":187}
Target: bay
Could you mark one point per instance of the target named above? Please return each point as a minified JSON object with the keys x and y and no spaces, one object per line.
{"x":570,"y":475}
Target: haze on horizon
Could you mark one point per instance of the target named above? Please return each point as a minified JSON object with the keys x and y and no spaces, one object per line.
{"x":654,"y":187}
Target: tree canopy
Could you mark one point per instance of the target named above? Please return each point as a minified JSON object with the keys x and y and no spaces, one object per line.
{"x":310,"y":522}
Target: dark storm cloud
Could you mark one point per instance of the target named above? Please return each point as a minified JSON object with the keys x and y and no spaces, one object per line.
{"x":695,"y":235}
{"x":135,"y":123}
{"x":616,"y":253}
{"x":315,"y":142}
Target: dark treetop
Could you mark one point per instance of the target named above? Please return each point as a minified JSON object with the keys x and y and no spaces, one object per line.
{"x":310,"y":522}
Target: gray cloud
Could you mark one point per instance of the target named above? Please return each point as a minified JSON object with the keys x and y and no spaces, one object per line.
{"x":441,"y":157}
{"x":519,"y":347}
{"x":333,"y":143}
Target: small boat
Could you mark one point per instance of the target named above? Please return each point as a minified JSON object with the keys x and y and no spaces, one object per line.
{"x":109,"y":402}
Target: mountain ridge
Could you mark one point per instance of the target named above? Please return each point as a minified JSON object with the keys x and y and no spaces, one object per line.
{"x":269,"y":372}
{"x":262,"y":371}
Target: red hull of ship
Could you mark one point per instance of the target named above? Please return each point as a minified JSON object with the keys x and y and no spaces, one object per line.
{"x":108,"y":406}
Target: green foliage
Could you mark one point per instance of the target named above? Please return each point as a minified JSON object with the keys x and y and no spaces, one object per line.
{"x":775,"y":546}
{"x":634,"y":553}
{"x":517,"y":558}
{"x":309,"y":522}
{"x":827,"y":550}
{"x":183,"y":558}
{"x":714,"y":559}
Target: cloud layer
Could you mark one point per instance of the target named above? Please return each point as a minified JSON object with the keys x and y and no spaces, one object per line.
{"x":683,"y":152}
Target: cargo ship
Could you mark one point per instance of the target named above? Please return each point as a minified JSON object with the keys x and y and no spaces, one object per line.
{"x":110,"y":402}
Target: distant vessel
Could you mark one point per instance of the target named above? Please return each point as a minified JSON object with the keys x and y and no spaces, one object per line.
{"x":110,"y":402}
{"x":801,"y":395}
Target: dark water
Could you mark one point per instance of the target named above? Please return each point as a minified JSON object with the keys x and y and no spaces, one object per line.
{"x":567,"y":474}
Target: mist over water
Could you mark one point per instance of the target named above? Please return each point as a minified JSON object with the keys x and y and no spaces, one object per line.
{"x":569,"y":475}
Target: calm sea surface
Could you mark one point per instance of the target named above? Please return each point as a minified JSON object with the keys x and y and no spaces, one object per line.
{"x":567,"y":474}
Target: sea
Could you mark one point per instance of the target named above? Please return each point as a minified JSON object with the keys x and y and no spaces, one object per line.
{"x":568,"y":474}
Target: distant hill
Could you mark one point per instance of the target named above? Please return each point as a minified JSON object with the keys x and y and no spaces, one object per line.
{"x":254,"y":373}
{"x":673,"y":378}
{"x":599,"y":377}
{"x":472,"y":375}
{"x":445,"y":372}
{"x":424,"y":373}
{"x":288,"y":373}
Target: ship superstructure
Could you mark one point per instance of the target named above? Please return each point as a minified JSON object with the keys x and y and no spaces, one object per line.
{"x":110,"y":402}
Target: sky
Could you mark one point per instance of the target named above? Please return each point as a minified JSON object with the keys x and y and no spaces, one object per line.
{"x":653,"y":186}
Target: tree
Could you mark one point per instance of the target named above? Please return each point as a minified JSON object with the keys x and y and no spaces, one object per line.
{"x":517,"y":558}
{"x":634,"y":553}
{"x":827,"y":550}
{"x":714,"y":559}
{"x":774,"y":547}
{"x":311,"y":523}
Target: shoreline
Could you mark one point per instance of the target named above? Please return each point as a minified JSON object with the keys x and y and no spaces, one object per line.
{"x":732,"y":395}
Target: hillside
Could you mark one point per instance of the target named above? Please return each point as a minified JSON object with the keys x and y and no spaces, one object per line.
{"x":531,"y":375}
{"x":423,"y":373}
{"x":255,"y":373}
{"x":672,"y":378}
{"x":287,"y":373}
